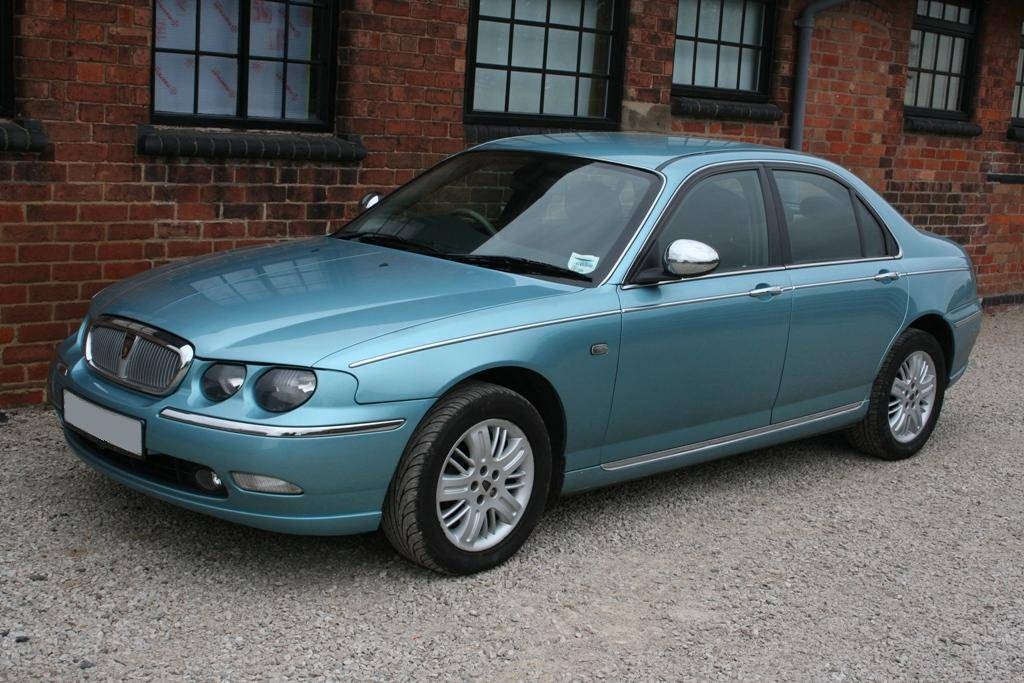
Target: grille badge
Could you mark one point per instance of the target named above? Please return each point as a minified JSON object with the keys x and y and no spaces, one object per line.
{"x":126,"y":346}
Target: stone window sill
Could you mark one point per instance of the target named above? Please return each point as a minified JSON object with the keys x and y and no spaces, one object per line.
{"x":25,"y":135}
{"x":699,"y":108}
{"x":924,"y":124}
{"x":218,"y":144}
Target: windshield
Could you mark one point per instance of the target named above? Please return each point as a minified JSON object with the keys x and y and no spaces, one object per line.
{"x":539,"y":214}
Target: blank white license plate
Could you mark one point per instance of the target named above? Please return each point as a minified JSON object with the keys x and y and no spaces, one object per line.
{"x":118,"y":430}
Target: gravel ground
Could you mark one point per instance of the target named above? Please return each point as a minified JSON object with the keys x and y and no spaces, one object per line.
{"x":806,"y":561}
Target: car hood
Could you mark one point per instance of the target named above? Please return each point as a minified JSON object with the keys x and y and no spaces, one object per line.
{"x":297,"y":302}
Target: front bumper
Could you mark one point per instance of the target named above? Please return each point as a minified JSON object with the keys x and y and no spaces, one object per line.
{"x":344,"y":477}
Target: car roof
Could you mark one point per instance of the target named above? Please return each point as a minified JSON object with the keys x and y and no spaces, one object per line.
{"x":645,"y":150}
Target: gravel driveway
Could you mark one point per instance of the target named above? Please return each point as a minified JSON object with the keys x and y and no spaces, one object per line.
{"x":806,"y":561}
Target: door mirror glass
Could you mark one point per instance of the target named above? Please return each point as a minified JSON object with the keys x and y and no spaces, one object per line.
{"x":370,"y":200}
{"x":687,"y":258}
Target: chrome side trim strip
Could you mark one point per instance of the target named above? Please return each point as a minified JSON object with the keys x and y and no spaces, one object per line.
{"x":730,"y":439}
{"x":964,"y":321}
{"x":253,"y":429}
{"x":772,"y":269}
{"x":937,"y":270}
{"x":829,"y":283}
{"x":685,"y":302}
{"x":479,"y":335}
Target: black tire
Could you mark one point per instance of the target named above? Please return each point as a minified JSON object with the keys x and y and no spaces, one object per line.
{"x":872,"y":435}
{"x":410,"y":519}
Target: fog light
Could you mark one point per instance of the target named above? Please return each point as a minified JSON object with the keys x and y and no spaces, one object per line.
{"x":264,"y":484}
{"x":62,"y":369}
{"x":209,"y":481}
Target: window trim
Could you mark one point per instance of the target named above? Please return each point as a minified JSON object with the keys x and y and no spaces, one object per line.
{"x":616,"y":71}
{"x":326,"y":106}
{"x":969,"y":74}
{"x":767,"y":62}
{"x":7,"y":107}
{"x":776,"y":244}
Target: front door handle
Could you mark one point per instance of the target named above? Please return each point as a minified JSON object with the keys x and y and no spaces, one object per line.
{"x":887,"y":276}
{"x":765,"y":291}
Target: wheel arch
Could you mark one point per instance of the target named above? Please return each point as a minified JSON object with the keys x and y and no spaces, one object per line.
{"x":937,"y":326}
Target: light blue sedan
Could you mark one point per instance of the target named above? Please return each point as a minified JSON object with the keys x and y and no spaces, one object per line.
{"x":536,"y":316}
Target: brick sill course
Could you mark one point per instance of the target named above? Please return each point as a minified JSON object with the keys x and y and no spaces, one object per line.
{"x":699,"y":108}
{"x":217,"y":144}
{"x":924,"y":124}
{"x":25,"y":135}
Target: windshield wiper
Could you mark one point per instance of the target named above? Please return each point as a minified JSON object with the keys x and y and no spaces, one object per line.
{"x":386,"y":240}
{"x":516,"y":264}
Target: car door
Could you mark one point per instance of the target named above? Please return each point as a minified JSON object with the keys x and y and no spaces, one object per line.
{"x":701,"y":358}
{"x":849,"y":301}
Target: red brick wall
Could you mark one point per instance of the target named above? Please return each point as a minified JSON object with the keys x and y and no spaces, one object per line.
{"x":89,"y":210}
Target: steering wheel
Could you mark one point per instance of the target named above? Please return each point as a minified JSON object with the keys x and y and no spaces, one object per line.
{"x":470,"y":213}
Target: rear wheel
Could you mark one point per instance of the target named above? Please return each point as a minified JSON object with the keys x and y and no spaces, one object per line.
{"x":472,"y":482}
{"x":906,"y":399}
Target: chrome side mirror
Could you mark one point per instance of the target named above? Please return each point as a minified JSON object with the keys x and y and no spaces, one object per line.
{"x":369,"y":200}
{"x":687,"y":258}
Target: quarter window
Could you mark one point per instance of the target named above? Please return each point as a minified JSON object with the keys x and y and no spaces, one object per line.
{"x":722,"y":47}
{"x":725,"y":211}
{"x":545,"y":59}
{"x":1018,"y":90}
{"x":941,"y":45}
{"x":244,"y":63}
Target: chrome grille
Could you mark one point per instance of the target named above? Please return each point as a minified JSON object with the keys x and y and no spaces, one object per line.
{"x":136,"y":355}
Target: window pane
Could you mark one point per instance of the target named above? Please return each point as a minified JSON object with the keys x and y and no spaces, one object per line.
{"x":300,"y":33}
{"x":707,"y":26}
{"x":915,"y":49}
{"x":924,"y":89}
{"x":939,"y":86}
{"x":820,"y":218}
{"x":524,"y":96}
{"x":266,"y":29}
{"x":598,"y":14}
{"x":958,"y":55}
{"x":266,"y":80}
{"x":732,"y":17}
{"x":489,"y":90}
{"x":218,"y":85}
{"x":706,"y":54}
{"x":496,"y":8}
{"x":566,"y":12}
{"x":218,"y":26}
{"x":945,"y":55}
{"x":686,"y":19}
{"x":594,"y":53}
{"x":874,"y":237}
{"x":560,"y":95}
{"x":176,"y":24}
{"x":593,"y":100}
{"x":910,"y":96}
{"x":563,"y":49}
{"x":728,"y":66}
{"x":299,"y":98}
{"x":726,"y":212}
{"x":750,"y":70}
{"x":682,"y":71}
{"x":174,"y":83}
{"x":528,"y":46}
{"x":928,"y":51}
{"x":753,"y":27}
{"x":492,"y":43}
{"x":955,"y":85}
{"x":532,"y":10}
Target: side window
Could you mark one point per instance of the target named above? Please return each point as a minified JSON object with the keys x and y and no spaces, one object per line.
{"x":727,"y":212}
{"x":820,"y":217}
{"x":874,"y":233}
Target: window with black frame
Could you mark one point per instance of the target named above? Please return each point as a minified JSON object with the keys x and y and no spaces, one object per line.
{"x":244,"y":63}
{"x":1018,"y":89}
{"x":723,"y":48}
{"x":545,"y":61}
{"x":940,"y":67}
{"x":7,"y":59}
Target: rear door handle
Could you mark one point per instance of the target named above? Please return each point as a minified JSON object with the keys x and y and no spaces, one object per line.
{"x":887,"y":276}
{"x":765,"y":291}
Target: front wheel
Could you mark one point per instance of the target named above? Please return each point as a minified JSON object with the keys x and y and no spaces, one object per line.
{"x":906,"y":399}
{"x":472,"y":483}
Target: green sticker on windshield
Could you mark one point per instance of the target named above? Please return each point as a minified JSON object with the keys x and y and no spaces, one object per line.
{"x":583,"y":263}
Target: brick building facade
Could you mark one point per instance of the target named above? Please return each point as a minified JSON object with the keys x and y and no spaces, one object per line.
{"x":99,"y":181}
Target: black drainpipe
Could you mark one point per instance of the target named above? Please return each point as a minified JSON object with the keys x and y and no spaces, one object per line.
{"x":802,"y":72}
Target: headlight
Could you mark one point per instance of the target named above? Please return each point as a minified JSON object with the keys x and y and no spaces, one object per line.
{"x":222,"y":381}
{"x":283,"y":389}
